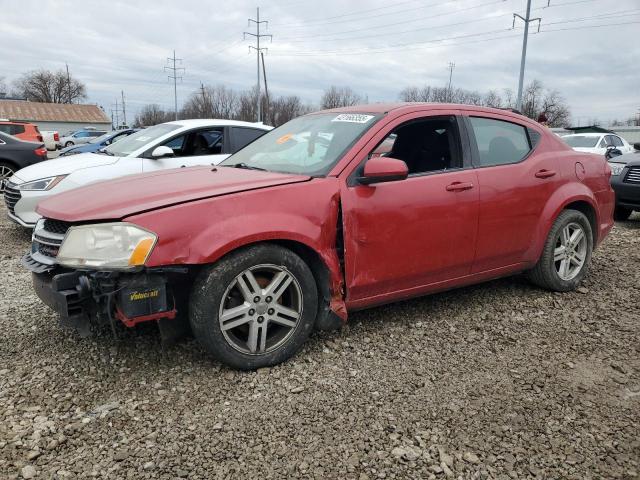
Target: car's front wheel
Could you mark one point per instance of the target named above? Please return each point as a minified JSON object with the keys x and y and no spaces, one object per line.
{"x":69,"y":144}
{"x":255,"y":307}
{"x":6,"y":172}
{"x":566,"y":255}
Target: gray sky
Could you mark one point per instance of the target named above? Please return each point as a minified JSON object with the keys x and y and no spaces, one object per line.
{"x":587,"y":49}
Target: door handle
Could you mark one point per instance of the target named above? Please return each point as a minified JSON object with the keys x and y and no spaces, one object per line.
{"x":544,"y":173}
{"x":459,"y":186}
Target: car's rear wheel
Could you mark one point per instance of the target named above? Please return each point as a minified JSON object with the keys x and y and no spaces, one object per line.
{"x":621,"y":214}
{"x":255,"y":307}
{"x":566,"y":255}
{"x":6,"y":172}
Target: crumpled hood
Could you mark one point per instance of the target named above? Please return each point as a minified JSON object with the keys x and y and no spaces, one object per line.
{"x":62,"y":166}
{"x":119,"y":198}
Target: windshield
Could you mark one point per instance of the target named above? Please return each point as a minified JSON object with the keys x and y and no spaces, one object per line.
{"x":581,"y":141}
{"x":309,"y":145}
{"x":140,"y":139}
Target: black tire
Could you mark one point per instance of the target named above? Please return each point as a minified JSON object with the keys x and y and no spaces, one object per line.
{"x":545,"y":274}
{"x":620,"y":214}
{"x":69,"y":144}
{"x":211,"y":289}
{"x":6,"y":171}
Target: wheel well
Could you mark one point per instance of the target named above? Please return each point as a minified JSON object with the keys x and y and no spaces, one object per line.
{"x":589,"y":212}
{"x":311,"y":258}
{"x":10,"y":163}
{"x":326,"y":319}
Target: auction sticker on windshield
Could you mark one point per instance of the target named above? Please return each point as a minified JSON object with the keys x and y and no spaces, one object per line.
{"x":352,"y":118}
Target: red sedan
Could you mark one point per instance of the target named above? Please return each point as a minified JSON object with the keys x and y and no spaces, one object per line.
{"x":334,"y":211}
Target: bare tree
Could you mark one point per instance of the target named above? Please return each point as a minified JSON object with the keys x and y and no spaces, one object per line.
{"x":509,"y":98}
{"x":283,"y":109}
{"x":537,"y":99}
{"x":3,"y":88}
{"x":415,"y":94}
{"x":152,"y":114}
{"x":50,"y":87}
{"x":492,"y":99}
{"x":247,"y":105}
{"x":211,"y":102}
{"x":335,"y":97}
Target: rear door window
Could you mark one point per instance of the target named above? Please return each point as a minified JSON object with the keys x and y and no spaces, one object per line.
{"x":617,"y":141}
{"x":499,"y":142}
{"x":244,"y":136}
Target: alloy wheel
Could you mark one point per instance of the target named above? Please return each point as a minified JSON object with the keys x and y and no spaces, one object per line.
{"x":570,"y":251}
{"x":260,"y":309}
{"x":5,"y":175}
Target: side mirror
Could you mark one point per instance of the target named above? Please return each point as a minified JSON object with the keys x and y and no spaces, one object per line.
{"x":636,"y":145}
{"x":162,"y":151}
{"x":612,"y":151}
{"x":383,"y":169}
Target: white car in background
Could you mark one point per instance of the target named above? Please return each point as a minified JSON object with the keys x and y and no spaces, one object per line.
{"x":168,"y":145}
{"x":51,"y":138}
{"x":597,"y":142}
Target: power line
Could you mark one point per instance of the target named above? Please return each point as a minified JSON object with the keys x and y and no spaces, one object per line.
{"x":175,"y":77}
{"x":258,"y":50}
{"x":388,"y":48}
{"x":323,"y":21}
{"x":404,"y":22}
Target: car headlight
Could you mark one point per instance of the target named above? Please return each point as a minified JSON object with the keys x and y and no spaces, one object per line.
{"x":120,"y":246}
{"x":42,"y":184}
{"x":616,"y":168}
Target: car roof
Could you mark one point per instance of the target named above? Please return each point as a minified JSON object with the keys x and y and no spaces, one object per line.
{"x":205,"y":122}
{"x":389,"y":107}
{"x":399,"y":108}
{"x":588,"y":134}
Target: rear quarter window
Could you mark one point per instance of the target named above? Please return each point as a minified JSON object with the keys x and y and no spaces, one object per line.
{"x":15,"y":129}
{"x":499,"y":142}
{"x":244,"y":136}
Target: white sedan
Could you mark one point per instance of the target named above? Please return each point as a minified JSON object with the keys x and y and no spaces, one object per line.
{"x":597,"y":142}
{"x":168,"y":145}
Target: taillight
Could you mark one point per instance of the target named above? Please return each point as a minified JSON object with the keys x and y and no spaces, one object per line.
{"x":56,"y":137}
{"x":41,"y":152}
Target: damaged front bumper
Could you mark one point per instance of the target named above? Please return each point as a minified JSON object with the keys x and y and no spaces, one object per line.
{"x":86,"y":300}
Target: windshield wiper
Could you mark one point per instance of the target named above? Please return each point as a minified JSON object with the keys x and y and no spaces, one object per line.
{"x":247,"y":167}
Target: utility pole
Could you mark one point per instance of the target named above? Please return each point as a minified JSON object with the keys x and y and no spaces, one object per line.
{"x":266,"y":89}
{"x":124,"y":112}
{"x":205,"y":103}
{"x":115,"y":110}
{"x":68,"y":83}
{"x":527,"y":20}
{"x":451,"y":67}
{"x":258,"y":50}
{"x":175,"y":78}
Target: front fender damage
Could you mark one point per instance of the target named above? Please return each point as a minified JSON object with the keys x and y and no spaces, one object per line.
{"x":332,"y":312}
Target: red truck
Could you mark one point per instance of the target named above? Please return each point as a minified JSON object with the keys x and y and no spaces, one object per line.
{"x":334,"y":211}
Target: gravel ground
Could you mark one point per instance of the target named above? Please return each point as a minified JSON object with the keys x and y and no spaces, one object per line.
{"x":500,"y":380}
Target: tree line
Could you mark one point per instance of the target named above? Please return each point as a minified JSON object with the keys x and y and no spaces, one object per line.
{"x":219,"y":101}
